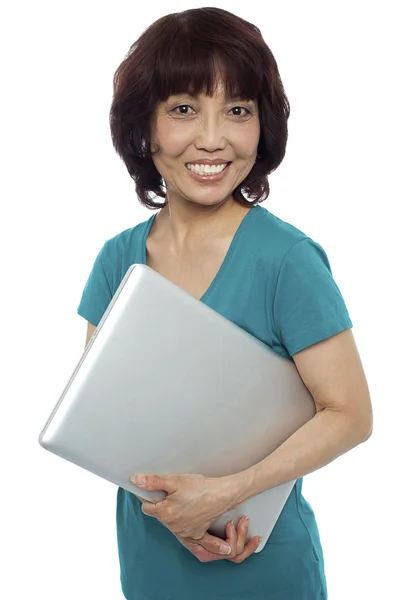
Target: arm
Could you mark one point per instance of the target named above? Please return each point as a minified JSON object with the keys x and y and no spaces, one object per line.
{"x":90,"y":330}
{"x":333,"y":373}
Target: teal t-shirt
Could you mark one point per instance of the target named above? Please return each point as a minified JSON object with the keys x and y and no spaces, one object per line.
{"x":277,"y":284}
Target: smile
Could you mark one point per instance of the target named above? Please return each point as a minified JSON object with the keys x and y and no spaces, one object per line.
{"x":207,"y":173}
{"x":207,"y":169}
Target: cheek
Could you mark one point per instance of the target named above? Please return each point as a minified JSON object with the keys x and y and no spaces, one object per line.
{"x":246,"y":142}
{"x":173,"y":140}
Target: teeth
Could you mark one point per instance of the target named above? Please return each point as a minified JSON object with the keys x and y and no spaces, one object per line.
{"x":207,"y":169}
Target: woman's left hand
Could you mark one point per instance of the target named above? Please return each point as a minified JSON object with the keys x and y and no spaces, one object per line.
{"x":193,"y":502}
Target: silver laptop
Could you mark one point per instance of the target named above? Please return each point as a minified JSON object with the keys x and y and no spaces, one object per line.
{"x":162,"y":379}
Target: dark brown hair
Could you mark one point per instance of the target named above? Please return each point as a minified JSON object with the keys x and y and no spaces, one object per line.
{"x":185,"y":53}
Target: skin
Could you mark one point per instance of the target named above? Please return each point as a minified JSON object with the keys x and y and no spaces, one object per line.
{"x":187,"y":128}
{"x":235,"y":540}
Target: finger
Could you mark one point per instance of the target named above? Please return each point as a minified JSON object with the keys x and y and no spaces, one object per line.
{"x":249,"y":549}
{"x":242,"y":531}
{"x":198,"y":551}
{"x":231,"y":538}
{"x":215,"y":545}
{"x":150,"y":509}
{"x":154,"y":482}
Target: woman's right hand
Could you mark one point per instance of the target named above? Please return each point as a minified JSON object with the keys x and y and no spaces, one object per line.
{"x":235,"y":538}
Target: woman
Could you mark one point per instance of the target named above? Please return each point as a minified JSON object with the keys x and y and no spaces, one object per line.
{"x":199,"y":116}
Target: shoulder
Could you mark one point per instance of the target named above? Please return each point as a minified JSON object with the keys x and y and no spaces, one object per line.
{"x":269,"y":225}
{"x":127,"y":241}
{"x":277,"y":240}
{"x":122,"y":250}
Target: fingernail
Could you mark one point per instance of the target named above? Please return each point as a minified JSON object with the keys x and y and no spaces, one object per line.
{"x":138,"y":479}
{"x":225,"y":549}
{"x":260,"y":539}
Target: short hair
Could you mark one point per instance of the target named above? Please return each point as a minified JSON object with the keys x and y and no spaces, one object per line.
{"x":185,"y":52}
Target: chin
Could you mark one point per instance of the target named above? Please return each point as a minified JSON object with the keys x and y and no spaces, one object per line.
{"x":214,"y":201}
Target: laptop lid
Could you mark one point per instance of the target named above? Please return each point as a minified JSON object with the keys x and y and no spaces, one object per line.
{"x":162,"y":373}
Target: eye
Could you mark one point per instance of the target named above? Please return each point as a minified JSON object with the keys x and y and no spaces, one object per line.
{"x":238,"y":111}
{"x":182,"y":109}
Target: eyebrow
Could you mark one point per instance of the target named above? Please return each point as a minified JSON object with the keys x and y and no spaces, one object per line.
{"x":228,"y":99}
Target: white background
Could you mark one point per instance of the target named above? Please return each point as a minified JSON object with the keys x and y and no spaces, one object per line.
{"x":64,"y":191}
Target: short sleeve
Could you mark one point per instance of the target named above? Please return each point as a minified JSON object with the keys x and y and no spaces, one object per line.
{"x":308,"y":306}
{"x":97,"y":293}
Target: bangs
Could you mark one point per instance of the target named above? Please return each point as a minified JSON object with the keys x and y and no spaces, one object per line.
{"x":197,"y":64}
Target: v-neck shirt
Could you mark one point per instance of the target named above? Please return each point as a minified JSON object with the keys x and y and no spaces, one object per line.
{"x":227,"y":259}
{"x":276,"y":283}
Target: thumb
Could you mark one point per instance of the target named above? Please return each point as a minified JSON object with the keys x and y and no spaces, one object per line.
{"x":154,"y":482}
{"x":215,"y":545}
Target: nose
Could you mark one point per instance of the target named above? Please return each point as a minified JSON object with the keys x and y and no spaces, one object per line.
{"x":211,"y":134}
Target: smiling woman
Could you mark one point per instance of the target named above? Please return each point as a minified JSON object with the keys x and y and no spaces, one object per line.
{"x":209,"y":126}
{"x":207,"y":72}
{"x":199,"y":117}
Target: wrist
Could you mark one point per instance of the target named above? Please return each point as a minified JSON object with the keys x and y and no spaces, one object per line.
{"x":238,"y":488}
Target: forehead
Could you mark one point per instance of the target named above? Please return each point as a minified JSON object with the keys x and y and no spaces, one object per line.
{"x":207,"y":75}
{"x":219,"y":94}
